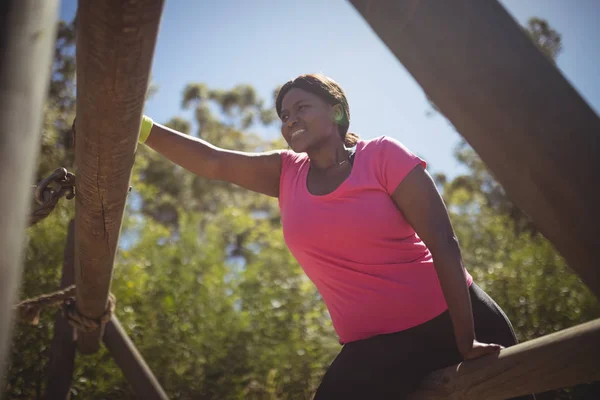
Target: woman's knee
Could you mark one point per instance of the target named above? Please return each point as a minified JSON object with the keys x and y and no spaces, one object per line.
{"x":491,"y":324}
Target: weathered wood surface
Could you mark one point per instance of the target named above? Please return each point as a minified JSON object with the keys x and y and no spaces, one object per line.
{"x":536,"y":134}
{"x":59,"y":370}
{"x":558,"y":360}
{"x":136,"y":371}
{"x":115,"y":47}
{"x":27,"y":35}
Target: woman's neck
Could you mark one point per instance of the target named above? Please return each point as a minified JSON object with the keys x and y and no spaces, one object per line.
{"x":328,"y":156}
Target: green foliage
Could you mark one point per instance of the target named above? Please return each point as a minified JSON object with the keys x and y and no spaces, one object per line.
{"x":206,"y":287}
{"x":522,"y":272}
{"x":545,"y":38}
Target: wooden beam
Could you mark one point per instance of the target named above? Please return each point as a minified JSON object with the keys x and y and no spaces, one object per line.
{"x":558,"y":360}
{"x":532,"y":129}
{"x":27,"y":36}
{"x":136,"y":371}
{"x":60,"y":369}
{"x":115,"y":47}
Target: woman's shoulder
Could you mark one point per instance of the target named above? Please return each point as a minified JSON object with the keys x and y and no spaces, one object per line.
{"x":377,"y":144}
{"x":378,"y":141}
{"x":384,"y":149}
{"x":390,"y":160}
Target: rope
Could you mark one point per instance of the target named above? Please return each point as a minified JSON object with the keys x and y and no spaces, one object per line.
{"x":29,"y":310}
{"x":47,"y":196}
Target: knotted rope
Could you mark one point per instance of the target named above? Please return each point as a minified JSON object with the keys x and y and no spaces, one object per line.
{"x":29,"y":310}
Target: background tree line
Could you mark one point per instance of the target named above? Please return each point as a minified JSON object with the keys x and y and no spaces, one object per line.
{"x":206,"y":287}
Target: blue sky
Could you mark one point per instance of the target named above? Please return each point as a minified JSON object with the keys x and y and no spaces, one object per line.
{"x":265,"y":43}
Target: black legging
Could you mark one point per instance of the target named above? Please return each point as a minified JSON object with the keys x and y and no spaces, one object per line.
{"x":390,"y":366}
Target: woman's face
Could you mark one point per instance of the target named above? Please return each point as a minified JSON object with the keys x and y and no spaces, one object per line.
{"x":306,"y":120}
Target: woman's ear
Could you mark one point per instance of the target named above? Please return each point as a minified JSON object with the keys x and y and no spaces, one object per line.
{"x":338,"y":114}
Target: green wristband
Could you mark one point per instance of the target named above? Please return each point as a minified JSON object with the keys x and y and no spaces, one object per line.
{"x":145,"y":128}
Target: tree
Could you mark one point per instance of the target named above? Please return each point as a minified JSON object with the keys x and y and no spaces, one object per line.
{"x":547,"y":39}
{"x":206,"y":287}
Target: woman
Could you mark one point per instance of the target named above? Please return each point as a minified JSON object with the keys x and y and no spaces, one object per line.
{"x":371,"y":231}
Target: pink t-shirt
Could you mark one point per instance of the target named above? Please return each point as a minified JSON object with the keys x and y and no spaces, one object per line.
{"x":374,"y":273}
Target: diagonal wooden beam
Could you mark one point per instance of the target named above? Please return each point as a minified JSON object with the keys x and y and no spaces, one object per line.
{"x":532,"y":129}
{"x":115,"y":47}
{"x":561,"y":359}
{"x":132,"y":364}
{"x":27,"y":36}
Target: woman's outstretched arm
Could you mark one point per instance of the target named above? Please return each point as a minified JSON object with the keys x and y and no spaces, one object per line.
{"x":258,"y":172}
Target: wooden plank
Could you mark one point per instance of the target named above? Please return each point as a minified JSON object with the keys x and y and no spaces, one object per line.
{"x":115,"y":47}
{"x":532,"y":129}
{"x":27,"y":35}
{"x":136,"y":371}
{"x":60,"y":369}
{"x":558,"y":360}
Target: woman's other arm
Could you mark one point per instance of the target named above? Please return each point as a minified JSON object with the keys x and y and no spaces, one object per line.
{"x":420,"y":202}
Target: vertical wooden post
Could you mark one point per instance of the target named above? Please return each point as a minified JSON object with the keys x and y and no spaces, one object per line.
{"x":115,"y":47}
{"x":536,"y":134}
{"x":136,"y":371}
{"x":62,"y":350}
{"x":27,"y":36}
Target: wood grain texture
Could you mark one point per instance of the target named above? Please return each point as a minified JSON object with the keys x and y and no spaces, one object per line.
{"x":558,"y":360}
{"x":115,"y":47}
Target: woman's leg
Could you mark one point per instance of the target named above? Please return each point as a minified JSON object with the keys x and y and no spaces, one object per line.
{"x":491,"y":324}
{"x":362,"y":371}
{"x":390,"y":366}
